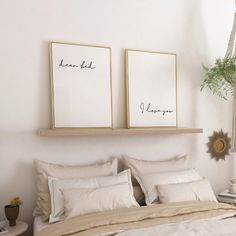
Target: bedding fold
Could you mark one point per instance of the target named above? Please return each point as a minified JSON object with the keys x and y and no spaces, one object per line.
{"x":134,"y":218}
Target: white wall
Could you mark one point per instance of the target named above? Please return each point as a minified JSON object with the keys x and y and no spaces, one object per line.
{"x":197,"y":30}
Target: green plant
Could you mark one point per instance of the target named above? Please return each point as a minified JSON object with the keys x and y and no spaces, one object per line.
{"x":16,"y":201}
{"x":221,"y":78}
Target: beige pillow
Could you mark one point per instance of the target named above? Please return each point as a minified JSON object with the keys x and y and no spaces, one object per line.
{"x":148,"y":182}
{"x":145,"y":166}
{"x":86,"y":200}
{"x":44,"y":169}
{"x":200,"y":190}
{"x":55,"y":186}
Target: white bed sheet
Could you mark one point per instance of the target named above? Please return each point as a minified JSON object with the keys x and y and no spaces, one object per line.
{"x":39,"y":224}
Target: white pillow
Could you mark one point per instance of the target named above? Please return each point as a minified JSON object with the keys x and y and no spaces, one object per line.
{"x":146,"y":166}
{"x":199,"y":190}
{"x":55,"y":186}
{"x":86,"y":200}
{"x":44,"y":169}
{"x":148,"y":182}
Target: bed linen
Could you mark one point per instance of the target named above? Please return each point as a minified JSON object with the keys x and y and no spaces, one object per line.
{"x":199,"y":190}
{"x":138,"y":166}
{"x":57,"y":185}
{"x":127,"y":221}
{"x":148,"y":182}
{"x":39,"y":224}
{"x":216,"y":227}
{"x":45,"y":169}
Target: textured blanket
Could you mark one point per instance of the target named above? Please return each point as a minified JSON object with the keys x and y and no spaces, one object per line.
{"x":134,"y":221}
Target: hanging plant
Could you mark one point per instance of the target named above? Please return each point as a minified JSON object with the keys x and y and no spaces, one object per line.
{"x":221,"y":78}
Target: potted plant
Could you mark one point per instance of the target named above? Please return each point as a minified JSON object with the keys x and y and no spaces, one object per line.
{"x":12,"y":210}
{"x":221,"y":80}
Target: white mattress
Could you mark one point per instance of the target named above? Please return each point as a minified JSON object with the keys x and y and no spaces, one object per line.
{"x":39,"y":224}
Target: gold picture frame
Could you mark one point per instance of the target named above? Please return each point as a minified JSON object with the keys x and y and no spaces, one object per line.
{"x":108,"y":107}
{"x":137,"y":64}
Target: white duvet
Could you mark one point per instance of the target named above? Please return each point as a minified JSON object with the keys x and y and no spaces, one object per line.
{"x":225,"y":226}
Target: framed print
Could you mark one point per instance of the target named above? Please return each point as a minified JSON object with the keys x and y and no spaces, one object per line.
{"x":81,"y":86}
{"x":151,"y":89}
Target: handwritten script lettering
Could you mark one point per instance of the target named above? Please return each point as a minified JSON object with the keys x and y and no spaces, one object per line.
{"x":82,"y":66}
{"x":147,"y":108}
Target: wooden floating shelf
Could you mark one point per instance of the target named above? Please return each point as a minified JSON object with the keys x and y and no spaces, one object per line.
{"x":108,"y":131}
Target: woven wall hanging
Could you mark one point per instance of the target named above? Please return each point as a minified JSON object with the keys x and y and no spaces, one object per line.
{"x":219,"y":145}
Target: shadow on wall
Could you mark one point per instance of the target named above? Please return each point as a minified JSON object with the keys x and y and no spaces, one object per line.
{"x":195,"y":51}
{"x":44,"y":111}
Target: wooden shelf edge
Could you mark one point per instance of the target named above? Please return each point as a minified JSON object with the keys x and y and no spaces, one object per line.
{"x":108,"y":131}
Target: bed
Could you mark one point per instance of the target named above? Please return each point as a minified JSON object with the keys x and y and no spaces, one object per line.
{"x":186,"y":218}
{"x":39,"y":224}
{"x":178,"y":201}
